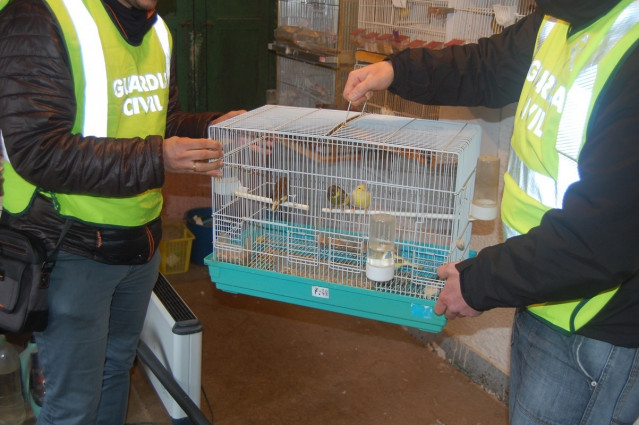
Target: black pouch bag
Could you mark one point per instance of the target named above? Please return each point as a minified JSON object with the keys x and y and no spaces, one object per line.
{"x":24,"y":278}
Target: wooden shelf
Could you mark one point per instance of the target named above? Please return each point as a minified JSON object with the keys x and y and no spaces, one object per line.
{"x":369,"y":57}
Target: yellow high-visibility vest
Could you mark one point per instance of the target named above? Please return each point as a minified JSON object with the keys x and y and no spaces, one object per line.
{"x":121,"y":91}
{"x":567,"y":75}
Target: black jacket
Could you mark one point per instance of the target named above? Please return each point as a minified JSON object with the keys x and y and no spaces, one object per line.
{"x":37,"y":111}
{"x":592,"y":242}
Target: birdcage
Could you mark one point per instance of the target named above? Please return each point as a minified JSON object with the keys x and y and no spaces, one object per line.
{"x":293,"y":210}
{"x":318,"y":27}
{"x":435,"y":23}
{"x":386,"y":103}
{"x":300,"y":83}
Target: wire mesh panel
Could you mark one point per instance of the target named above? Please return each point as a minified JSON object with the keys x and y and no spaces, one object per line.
{"x":474,"y":19}
{"x":386,"y":103}
{"x":321,"y":26}
{"x":303,"y":84}
{"x":300,"y":185}
{"x":437,"y":22}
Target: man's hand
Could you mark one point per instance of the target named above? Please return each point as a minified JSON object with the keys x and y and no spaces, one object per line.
{"x":362,"y":82}
{"x":228,"y":115}
{"x":199,"y":156}
{"x":450,"y":301}
{"x":264,"y":146}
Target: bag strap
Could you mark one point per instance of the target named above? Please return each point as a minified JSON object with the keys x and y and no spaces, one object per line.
{"x":49,"y":262}
{"x":54,"y":254}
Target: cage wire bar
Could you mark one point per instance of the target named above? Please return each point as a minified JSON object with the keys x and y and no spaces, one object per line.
{"x":315,"y":51}
{"x":321,"y":26}
{"x":452,"y":21}
{"x":307,"y":85}
{"x":430,"y":23}
{"x":422,"y":172}
{"x":386,"y":103}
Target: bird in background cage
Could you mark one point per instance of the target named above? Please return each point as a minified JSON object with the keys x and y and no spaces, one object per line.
{"x":280,"y":192}
{"x":337,"y":197}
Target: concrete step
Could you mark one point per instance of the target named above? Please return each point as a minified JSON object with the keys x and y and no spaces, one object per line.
{"x":479,"y":347}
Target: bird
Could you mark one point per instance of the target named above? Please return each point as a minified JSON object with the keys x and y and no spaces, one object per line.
{"x":337,"y":197}
{"x":280,"y":192}
{"x":360,"y":197}
{"x":404,"y":11}
{"x":403,"y":262}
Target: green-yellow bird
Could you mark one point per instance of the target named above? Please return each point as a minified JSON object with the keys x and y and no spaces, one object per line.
{"x":336,"y":196}
{"x":360,"y":197}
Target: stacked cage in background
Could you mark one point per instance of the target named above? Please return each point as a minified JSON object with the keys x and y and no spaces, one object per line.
{"x":387,"y":103}
{"x":315,"y":51}
{"x":433,"y":24}
{"x":304,"y":84}
{"x":385,"y":28}
{"x":327,"y":35}
{"x":321,"y":27}
{"x":292,"y":212}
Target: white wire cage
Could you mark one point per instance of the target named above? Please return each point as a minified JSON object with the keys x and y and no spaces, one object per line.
{"x":303,"y":84}
{"x":386,"y":103}
{"x":320,"y":26}
{"x":436,"y":23}
{"x":311,"y":248}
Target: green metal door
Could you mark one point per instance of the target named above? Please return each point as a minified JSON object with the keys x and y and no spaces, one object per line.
{"x":239,"y":65}
{"x":221,"y":48}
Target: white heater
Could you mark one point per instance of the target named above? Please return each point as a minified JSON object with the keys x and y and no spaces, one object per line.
{"x":174,"y":335}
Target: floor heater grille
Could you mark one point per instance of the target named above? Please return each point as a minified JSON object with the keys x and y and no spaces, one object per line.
{"x":174,"y":334}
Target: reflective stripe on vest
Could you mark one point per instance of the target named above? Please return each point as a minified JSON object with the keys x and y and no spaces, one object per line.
{"x":566,"y":77}
{"x":545,"y":29}
{"x":95,"y":99}
{"x":91,"y":38}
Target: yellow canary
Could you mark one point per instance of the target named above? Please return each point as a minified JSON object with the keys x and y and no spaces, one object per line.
{"x":360,"y":197}
{"x":280,"y":192}
{"x":336,"y":196}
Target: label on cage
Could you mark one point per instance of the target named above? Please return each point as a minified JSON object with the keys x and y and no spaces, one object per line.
{"x":320,"y":292}
{"x":421,"y":311}
{"x":399,"y":3}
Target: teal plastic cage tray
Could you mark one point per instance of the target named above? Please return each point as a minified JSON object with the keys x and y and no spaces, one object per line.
{"x":370,"y":304}
{"x":281,"y":263}
{"x":292,"y":212}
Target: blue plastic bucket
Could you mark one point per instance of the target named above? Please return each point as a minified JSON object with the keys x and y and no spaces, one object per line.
{"x":203,"y":242}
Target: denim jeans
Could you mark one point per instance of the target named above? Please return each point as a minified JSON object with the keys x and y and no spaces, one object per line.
{"x":96,"y":314}
{"x":570,"y":380}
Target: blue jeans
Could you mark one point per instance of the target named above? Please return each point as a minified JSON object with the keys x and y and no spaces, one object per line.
{"x":96,"y":314}
{"x":570,"y":380}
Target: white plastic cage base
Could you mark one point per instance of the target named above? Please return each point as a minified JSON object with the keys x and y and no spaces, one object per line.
{"x":313,"y":177}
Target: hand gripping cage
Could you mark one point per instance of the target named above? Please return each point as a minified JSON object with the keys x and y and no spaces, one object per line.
{"x":291,"y":214}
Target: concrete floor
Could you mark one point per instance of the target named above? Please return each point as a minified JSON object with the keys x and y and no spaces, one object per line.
{"x":266,"y":362}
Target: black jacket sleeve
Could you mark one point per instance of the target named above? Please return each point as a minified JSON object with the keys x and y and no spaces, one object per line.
{"x":37,"y":111}
{"x":592,"y":243}
{"x":589,"y":245}
{"x":488,"y":73}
